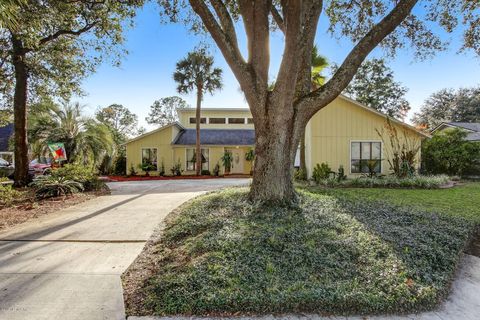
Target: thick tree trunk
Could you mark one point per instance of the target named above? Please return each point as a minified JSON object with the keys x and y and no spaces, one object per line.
{"x":198,"y":149}
{"x":276,"y":143}
{"x":20,"y":114}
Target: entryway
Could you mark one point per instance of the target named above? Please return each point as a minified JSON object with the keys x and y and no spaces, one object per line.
{"x":238,"y":156}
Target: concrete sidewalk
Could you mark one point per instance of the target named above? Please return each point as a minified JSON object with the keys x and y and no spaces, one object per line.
{"x":462,"y":304}
{"x":67,"y":265}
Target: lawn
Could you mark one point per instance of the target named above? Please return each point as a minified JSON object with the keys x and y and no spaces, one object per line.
{"x":460,"y":201}
{"x":339,"y":252}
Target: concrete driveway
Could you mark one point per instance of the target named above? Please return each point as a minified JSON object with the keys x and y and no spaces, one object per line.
{"x":68,"y":265}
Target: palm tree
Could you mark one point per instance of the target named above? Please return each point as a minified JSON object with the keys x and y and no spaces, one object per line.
{"x":319,"y":63}
{"x":9,"y":13}
{"x":196,"y":72}
{"x":86,"y":140}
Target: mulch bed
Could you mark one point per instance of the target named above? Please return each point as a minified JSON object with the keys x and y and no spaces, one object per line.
{"x":27,"y":209}
{"x":147,"y":178}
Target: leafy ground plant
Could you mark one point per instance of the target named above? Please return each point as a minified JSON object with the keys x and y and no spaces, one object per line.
{"x":220,"y":254}
{"x":51,"y":186}
{"x":414,"y":182}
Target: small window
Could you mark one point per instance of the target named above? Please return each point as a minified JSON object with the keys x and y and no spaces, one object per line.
{"x":149,"y":158}
{"x":194,"y":120}
{"x":250,"y":120}
{"x":236,"y":120}
{"x":216,"y":120}
{"x":366,"y":157}
{"x":191,"y":159}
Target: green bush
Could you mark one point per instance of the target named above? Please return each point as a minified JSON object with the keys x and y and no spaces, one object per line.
{"x":82,"y":174}
{"x":53,"y":186}
{"x":415,"y":182}
{"x":120,"y":166}
{"x":448,"y":152}
{"x":216,"y":170}
{"x":321,"y":171}
{"x":176,"y":170}
{"x":8,"y":195}
{"x":206,"y":173}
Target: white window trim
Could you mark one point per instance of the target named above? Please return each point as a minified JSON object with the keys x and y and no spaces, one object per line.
{"x":350,"y":155}
{"x":186,"y":159}
{"x":141,"y":156}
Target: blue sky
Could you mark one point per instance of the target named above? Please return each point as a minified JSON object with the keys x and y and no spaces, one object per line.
{"x":146,"y":72}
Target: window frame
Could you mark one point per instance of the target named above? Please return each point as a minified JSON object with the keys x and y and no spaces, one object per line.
{"x":187,"y":161}
{"x":365,"y":141}
{"x":193,"y":120}
{"x":217,"y":118}
{"x":149,"y":148}
{"x":237,"y":118}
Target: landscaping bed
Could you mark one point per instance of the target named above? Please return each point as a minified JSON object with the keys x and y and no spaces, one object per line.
{"x":221,"y":255}
{"x":147,"y":178}
{"x":25,"y":208}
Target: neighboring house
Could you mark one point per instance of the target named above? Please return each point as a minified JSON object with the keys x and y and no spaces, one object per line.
{"x":472,"y":129}
{"x":341,"y":134}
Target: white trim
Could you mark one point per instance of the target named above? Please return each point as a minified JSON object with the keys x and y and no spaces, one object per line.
{"x":350,"y":155}
{"x":238,"y":109}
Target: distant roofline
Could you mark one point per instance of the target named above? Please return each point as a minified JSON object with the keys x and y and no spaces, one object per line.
{"x":176,"y":123}
{"x":243,"y":109}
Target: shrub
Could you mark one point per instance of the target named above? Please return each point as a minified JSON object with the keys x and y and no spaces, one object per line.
{"x":82,"y":174}
{"x":341,"y":174}
{"x":132,"y":171}
{"x":448,"y":152}
{"x":206,"y":173}
{"x":120,"y":166}
{"x":403,"y":147}
{"x":176,"y":169}
{"x":415,"y":182}
{"x":216,"y":170}
{"x":162,"y":169}
{"x":321,"y":171}
{"x":52,"y":186}
{"x":8,"y":195}
{"x":299,"y":175}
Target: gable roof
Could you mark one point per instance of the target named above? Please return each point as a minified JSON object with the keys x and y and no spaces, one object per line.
{"x":5,"y":133}
{"x":401,"y":123}
{"x":176,"y":123}
{"x":225,"y":137}
{"x":472,"y":127}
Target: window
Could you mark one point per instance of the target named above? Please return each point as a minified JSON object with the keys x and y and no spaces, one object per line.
{"x":216,"y":120}
{"x":149,"y":158}
{"x":366,"y":157}
{"x":194,"y":120}
{"x":191,"y":159}
{"x":236,"y":120}
{"x":250,"y":120}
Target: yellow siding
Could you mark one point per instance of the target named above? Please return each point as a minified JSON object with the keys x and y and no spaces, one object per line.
{"x":185,"y":115}
{"x":161,"y":141}
{"x":331,"y":131}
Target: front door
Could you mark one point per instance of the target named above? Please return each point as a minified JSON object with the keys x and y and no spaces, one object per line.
{"x":237,"y":163}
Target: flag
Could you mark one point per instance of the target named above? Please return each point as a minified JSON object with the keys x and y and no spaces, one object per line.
{"x":58,"y":151}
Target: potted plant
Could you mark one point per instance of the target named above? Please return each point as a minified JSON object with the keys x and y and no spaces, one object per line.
{"x":227,"y":160}
{"x":250,"y":157}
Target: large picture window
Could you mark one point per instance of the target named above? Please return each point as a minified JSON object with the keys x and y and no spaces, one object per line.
{"x":149,"y":158}
{"x":366,"y":157}
{"x":191,"y":159}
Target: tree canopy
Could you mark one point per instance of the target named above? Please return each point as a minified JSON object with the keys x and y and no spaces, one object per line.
{"x":280,"y":114}
{"x":374,"y":85}
{"x":121,"y":121}
{"x":163,"y":111}
{"x":449,"y":105}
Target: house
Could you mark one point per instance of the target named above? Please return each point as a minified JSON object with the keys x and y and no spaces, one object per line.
{"x":6,"y":133}
{"x":472,"y":129}
{"x":344,"y":133}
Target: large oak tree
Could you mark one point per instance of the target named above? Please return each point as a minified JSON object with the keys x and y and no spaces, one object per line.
{"x":280,"y":114}
{"x":48,"y":50}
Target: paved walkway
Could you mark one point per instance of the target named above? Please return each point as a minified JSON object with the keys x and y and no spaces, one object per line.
{"x":68,"y":265}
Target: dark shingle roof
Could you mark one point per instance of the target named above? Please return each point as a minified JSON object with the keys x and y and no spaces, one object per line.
{"x":472,"y":126}
{"x":218,"y":137}
{"x":5,"y":134}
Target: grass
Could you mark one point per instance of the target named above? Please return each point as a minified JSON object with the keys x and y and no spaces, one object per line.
{"x":461,"y":201}
{"x":333,"y":254}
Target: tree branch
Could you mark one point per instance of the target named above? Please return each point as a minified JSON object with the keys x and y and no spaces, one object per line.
{"x":316,"y":100}
{"x":277,"y":17}
{"x":229,"y":49}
